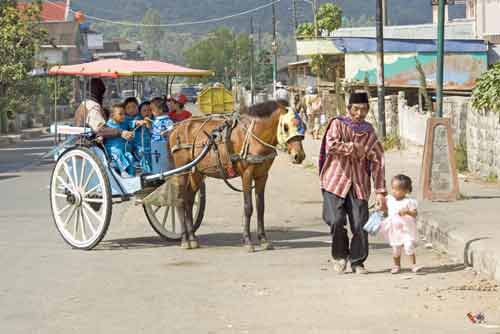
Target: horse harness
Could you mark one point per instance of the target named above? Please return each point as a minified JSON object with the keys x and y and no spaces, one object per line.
{"x":223,"y":135}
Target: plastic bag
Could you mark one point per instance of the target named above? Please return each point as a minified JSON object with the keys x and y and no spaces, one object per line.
{"x":373,"y":224}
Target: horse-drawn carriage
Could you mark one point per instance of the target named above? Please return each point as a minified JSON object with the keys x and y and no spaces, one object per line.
{"x":84,"y":185}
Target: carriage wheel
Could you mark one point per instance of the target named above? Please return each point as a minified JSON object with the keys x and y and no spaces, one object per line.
{"x":166,"y":222}
{"x":80,"y":198}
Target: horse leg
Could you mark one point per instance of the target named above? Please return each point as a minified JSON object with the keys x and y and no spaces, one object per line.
{"x":181,"y":212}
{"x":188,"y":219}
{"x":260,"y":186}
{"x":248,"y":209}
{"x":248,"y":205}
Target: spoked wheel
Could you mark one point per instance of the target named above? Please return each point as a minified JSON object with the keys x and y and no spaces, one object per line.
{"x":166,"y":221}
{"x":80,"y":198}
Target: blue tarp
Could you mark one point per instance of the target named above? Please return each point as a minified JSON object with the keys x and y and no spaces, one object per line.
{"x":369,"y":45}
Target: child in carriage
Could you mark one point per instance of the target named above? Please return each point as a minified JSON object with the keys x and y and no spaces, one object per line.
{"x":162,"y":124}
{"x":142,"y":140}
{"x":117,"y":146}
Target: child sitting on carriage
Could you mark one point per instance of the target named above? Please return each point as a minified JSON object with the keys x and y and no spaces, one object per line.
{"x":162,"y":124}
{"x":142,"y":139}
{"x":117,"y":146}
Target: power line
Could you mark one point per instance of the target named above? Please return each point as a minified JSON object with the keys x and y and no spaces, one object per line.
{"x":179,"y":24}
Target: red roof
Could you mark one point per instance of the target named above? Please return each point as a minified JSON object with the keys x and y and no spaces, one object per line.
{"x":115,"y":68}
{"x":51,"y":11}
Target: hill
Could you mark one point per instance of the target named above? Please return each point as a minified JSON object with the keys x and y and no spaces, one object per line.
{"x":172,"y":11}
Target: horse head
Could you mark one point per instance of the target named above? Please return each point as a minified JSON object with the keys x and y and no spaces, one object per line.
{"x":291,"y":132}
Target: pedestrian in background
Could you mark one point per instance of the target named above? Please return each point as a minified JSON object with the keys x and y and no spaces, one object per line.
{"x":313,"y":105}
{"x":350,"y":156}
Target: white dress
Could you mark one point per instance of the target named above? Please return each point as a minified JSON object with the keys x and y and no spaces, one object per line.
{"x":399,"y":230}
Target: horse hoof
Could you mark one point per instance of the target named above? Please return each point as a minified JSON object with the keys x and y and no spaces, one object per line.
{"x":267,"y":245}
{"x":250,"y":248}
{"x":185,"y":244}
{"x":194,"y":244}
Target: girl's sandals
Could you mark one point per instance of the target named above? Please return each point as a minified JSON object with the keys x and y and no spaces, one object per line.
{"x":395,"y":270}
{"x":415,"y":269}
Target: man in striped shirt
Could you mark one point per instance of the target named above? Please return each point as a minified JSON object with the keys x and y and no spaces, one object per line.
{"x":350,"y":156}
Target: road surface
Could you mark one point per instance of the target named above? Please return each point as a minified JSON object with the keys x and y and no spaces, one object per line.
{"x":135,"y":283}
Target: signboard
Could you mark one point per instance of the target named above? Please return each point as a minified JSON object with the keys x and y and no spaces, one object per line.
{"x":439,"y":176}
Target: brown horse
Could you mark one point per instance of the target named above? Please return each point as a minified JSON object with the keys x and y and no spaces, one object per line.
{"x":244,"y":148}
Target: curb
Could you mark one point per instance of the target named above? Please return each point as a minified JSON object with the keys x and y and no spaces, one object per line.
{"x":472,"y":252}
{"x":32,"y":134}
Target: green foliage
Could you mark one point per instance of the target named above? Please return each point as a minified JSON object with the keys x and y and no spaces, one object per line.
{"x":492,"y":177}
{"x":305,"y":29}
{"x":461,"y":157}
{"x":485,"y":94}
{"x":20,"y":36}
{"x":392,"y":142}
{"x":228,"y":54}
{"x":151,"y":36}
{"x":329,"y":17}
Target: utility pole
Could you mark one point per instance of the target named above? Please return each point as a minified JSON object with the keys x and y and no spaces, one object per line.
{"x":380,"y":70}
{"x":385,"y":13}
{"x":440,"y":58}
{"x":294,"y":18}
{"x":252,"y":85}
{"x":275,"y":51}
{"x":315,"y":17}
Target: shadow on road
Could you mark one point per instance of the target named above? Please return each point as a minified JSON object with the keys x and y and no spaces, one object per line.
{"x":6,"y":177}
{"x":280,"y":239}
{"x":134,"y":243}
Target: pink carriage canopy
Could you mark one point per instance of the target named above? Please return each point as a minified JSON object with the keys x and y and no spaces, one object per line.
{"x":116,"y":68}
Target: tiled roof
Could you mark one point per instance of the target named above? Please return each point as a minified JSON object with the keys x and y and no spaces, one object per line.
{"x":51,"y":11}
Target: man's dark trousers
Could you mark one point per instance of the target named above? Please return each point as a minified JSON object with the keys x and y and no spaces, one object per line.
{"x":335,"y":212}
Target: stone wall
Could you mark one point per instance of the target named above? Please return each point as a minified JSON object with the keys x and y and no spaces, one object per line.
{"x":391,"y":114}
{"x":483,"y":143}
{"x":478,"y":132}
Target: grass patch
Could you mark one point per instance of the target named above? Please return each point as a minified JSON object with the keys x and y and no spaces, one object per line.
{"x":492,"y":178}
{"x":392,"y":142}
{"x":310,"y":166}
{"x":461,"y":158}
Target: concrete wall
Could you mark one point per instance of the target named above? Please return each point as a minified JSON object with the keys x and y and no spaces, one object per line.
{"x":487,"y":17}
{"x":465,"y":29}
{"x":412,"y":123}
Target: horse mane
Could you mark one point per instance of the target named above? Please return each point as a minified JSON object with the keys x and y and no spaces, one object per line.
{"x":261,"y":110}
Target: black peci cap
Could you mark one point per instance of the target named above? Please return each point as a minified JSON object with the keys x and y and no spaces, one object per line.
{"x":358,"y":98}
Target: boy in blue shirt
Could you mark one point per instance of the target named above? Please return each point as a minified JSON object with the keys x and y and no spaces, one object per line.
{"x":142,"y":139}
{"x":117,"y":146}
{"x":162,"y":124}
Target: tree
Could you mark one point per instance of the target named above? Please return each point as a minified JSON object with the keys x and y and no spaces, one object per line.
{"x":305,"y":29}
{"x":329,"y":17}
{"x":223,"y":51}
{"x":20,"y":37}
{"x":485,"y":94}
{"x":151,"y":36}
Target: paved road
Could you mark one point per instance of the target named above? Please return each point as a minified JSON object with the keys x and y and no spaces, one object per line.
{"x":135,"y":283}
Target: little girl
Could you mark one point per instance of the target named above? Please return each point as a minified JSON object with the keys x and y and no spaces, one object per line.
{"x":162,"y":124}
{"x":142,"y":138}
{"x":400,"y":226}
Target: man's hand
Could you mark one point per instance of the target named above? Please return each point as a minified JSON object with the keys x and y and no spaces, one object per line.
{"x":381,"y":202}
{"x":127,"y":135}
{"x":359,"y":151}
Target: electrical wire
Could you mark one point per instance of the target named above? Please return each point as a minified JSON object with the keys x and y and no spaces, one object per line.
{"x":179,"y":24}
